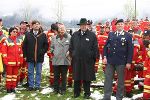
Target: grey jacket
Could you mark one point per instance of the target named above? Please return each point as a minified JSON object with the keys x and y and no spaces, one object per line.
{"x":60,"y":48}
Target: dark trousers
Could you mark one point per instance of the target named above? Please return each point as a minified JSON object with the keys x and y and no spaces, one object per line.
{"x":109,"y":75}
{"x":86,"y":87}
{"x":60,"y":70}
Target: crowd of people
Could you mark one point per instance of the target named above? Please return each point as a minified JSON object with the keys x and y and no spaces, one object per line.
{"x":123,"y":47}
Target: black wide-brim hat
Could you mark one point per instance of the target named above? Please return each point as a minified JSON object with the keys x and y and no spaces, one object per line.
{"x":83,"y":21}
{"x":119,"y":21}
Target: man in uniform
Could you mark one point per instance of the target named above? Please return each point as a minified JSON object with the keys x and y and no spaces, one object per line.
{"x":118,"y":53}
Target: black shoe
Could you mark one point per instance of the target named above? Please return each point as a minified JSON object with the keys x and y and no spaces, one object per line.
{"x":86,"y":96}
{"x":76,"y":95}
{"x":13,"y":90}
{"x":30,"y":88}
{"x":56,"y":91}
{"x":129,"y":95}
{"x":69,"y":85}
{"x":62,"y":92}
{"x":8,"y":90}
{"x":26,"y":85}
{"x":37,"y":88}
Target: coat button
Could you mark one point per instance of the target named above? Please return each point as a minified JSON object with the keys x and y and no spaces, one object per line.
{"x":113,"y":52}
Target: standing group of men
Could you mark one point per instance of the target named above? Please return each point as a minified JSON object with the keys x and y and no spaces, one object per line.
{"x":122,"y":51}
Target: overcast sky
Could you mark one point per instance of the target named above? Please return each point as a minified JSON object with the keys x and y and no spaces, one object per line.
{"x":75,"y":9}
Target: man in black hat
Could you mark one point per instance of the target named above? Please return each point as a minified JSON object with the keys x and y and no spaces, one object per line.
{"x":83,"y":50}
{"x":89,"y":25}
{"x":118,"y":53}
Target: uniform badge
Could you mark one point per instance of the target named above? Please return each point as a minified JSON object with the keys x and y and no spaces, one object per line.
{"x":87,"y":39}
{"x":123,"y":41}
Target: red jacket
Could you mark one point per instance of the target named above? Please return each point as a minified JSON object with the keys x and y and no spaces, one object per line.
{"x":101,"y":42}
{"x":2,"y":39}
{"x":49,"y":37}
{"x":12,"y":52}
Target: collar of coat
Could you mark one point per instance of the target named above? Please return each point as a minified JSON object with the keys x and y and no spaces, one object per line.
{"x":121,"y":33}
{"x":65,"y":36}
{"x":84,"y":33}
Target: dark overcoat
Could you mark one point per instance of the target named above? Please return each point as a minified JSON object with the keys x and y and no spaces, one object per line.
{"x":83,"y":49}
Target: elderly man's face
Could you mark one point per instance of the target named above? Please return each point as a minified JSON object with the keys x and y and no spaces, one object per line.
{"x":120,"y":26}
{"x":83,"y":27}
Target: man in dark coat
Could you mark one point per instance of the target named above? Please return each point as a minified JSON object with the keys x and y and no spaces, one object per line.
{"x":83,"y":49}
{"x":35,"y":45}
{"x":118,"y":52}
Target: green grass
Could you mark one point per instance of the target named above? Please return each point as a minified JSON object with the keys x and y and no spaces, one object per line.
{"x":24,"y":94}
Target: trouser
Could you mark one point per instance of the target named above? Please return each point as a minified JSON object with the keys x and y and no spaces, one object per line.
{"x":51,"y":80}
{"x":86,"y":87}
{"x":96,"y":65}
{"x":38,"y":69}
{"x":60,"y":70}
{"x":128,"y":77}
{"x":11,"y":76}
{"x":70,"y":76}
{"x":146,"y":92}
{"x":109,"y":74}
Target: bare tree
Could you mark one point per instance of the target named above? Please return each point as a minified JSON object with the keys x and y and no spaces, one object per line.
{"x":58,"y":10}
{"x":129,"y":9}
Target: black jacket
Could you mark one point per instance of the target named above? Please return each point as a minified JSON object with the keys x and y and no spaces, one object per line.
{"x":83,"y":49}
{"x":34,"y":47}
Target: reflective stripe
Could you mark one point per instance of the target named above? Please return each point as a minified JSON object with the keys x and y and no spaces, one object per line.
{"x":11,"y":62}
{"x":140,"y":57}
{"x":8,"y":79}
{"x":21,"y":55}
{"x":146,"y":91}
{"x":146,"y":86}
{"x":14,"y":76}
{"x":145,"y":68}
{"x":147,"y":76}
{"x":14,"y":79}
{"x":127,"y":84}
{"x":9,"y":76}
{"x":127,"y":80}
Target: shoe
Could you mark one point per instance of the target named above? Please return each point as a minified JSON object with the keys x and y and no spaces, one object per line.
{"x":13,"y":90}
{"x":30,"y":88}
{"x":36,"y":88}
{"x":86,"y":96}
{"x":26,"y":85}
{"x":62,"y":92}
{"x":129,"y":94}
{"x":56,"y":91}
{"x":76,"y":95}
{"x":8,"y":90}
{"x":69,"y":85}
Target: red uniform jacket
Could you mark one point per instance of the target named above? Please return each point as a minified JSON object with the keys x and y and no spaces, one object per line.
{"x":12,"y":52}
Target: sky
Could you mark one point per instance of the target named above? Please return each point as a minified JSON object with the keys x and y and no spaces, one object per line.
{"x":76,"y":9}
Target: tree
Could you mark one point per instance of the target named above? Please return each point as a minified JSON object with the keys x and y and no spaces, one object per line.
{"x":129,"y":9}
{"x":58,"y":10}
